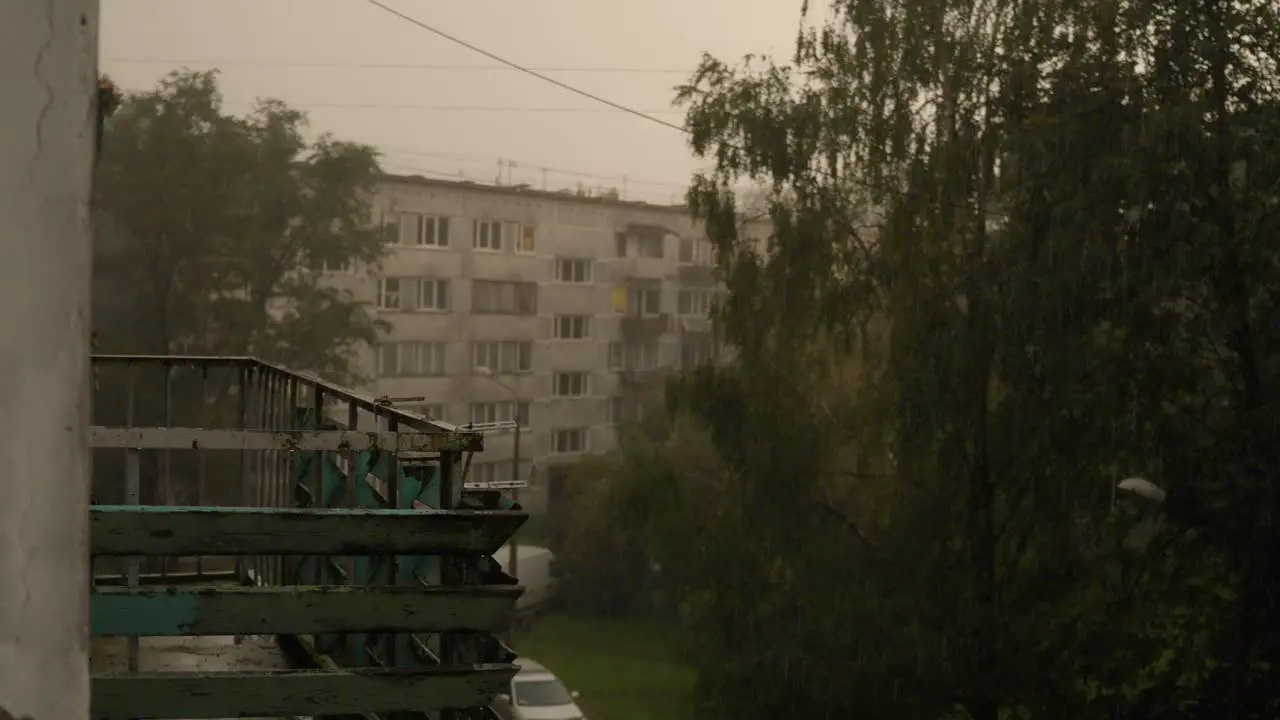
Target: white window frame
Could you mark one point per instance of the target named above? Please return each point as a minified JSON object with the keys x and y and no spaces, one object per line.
{"x":698,"y":305}
{"x":561,"y":444}
{"x":434,"y":289}
{"x":385,"y":293}
{"x":626,"y":356}
{"x":621,"y":409}
{"x":634,"y":293}
{"x":412,"y":354}
{"x":327,"y":267}
{"x":483,"y":236}
{"x":523,"y":238}
{"x":435,"y":411}
{"x":516,"y":288}
{"x":497,"y":471}
{"x":495,"y":355}
{"x":417,"y":235}
{"x":700,"y":252}
{"x":499,"y":411}
{"x":573,"y":327}
{"x":567,"y":270}
{"x":571,"y":385}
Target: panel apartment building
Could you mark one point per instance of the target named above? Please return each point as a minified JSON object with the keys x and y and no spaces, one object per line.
{"x":507,"y":302}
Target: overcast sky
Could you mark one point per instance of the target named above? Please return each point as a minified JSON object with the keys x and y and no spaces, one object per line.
{"x":455,"y":120}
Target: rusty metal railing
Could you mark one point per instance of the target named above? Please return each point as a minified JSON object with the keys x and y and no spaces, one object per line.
{"x":185,"y":432}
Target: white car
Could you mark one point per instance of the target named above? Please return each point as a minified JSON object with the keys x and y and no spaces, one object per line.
{"x":537,"y":694}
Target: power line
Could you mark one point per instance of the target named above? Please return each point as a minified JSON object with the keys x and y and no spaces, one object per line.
{"x":596,"y":98}
{"x":451,"y":108}
{"x":485,"y":160}
{"x":528,"y":71}
{"x":391,"y":66}
{"x":412,"y":169}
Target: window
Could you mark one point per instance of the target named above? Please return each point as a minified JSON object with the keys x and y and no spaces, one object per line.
{"x":504,"y":298}
{"x":695,"y":353}
{"x":694,"y":302}
{"x":498,"y":471}
{"x":494,"y":235}
{"x":633,"y":355}
{"x":488,"y":235}
{"x":644,"y":246}
{"x":433,"y":295}
{"x":389,"y":294}
{"x":649,"y":247}
{"x":525,"y":243}
{"x":575,"y":384}
{"x":433,"y":411}
{"x":492,"y":412}
{"x":643,"y":300}
{"x":622,"y":410}
{"x":418,"y":230}
{"x":569,"y":440}
{"x":407,"y":359}
{"x":573,"y":327}
{"x":511,"y":356}
{"x":333,"y":266}
{"x":617,"y":410}
{"x":695,"y":252}
{"x":573,"y":270}
{"x":409,"y":294}
{"x":549,"y":693}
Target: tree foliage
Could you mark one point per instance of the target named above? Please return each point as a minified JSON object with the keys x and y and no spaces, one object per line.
{"x":209,"y":225}
{"x":1019,"y":251}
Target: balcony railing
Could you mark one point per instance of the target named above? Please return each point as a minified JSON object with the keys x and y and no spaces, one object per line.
{"x":635,"y":327}
{"x":697,"y":275}
{"x":315,"y":551}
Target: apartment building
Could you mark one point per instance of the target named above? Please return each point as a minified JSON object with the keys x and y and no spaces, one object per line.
{"x":559,"y":310}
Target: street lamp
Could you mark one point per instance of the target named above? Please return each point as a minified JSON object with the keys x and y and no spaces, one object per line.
{"x":513,"y":545}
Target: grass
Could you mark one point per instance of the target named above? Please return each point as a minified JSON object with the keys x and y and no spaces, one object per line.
{"x":624,"y":669}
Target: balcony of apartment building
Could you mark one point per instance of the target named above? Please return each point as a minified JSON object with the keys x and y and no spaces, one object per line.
{"x":639,"y":306}
{"x":695,"y":263}
{"x":637,"y":363}
{"x":640,"y":253}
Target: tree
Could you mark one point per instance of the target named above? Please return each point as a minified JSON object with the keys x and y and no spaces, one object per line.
{"x":212,"y":228}
{"x":1014,"y":220}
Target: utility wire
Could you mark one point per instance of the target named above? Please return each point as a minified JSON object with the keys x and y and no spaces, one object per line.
{"x":520,"y":68}
{"x":605,"y":101}
{"x":390,"y":66}
{"x":449,"y":108}
{"x":489,"y":161}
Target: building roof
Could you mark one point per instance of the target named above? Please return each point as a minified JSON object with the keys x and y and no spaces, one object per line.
{"x":525,"y":191}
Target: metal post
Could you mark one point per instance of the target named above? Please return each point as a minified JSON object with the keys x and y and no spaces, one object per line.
{"x":48,"y":69}
{"x":513,"y":544}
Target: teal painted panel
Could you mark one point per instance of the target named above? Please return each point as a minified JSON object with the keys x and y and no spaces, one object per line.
{"x":305,"y":693}
{"x":297,"y":610}
{"x":161,"y":530}
{"x":421,"y":484}
{"x":365,"y":498}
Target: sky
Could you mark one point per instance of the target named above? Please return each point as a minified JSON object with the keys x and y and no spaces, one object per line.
{"x":436,"y":108}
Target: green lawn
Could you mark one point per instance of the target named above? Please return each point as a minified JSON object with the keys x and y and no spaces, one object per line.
{"x":625,"y":669}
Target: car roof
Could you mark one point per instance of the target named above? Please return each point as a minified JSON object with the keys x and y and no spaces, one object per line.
{"x":528,"y":665}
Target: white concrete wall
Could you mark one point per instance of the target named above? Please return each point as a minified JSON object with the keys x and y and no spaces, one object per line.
{"x":564,"y":226}
{"x":48,"y":86}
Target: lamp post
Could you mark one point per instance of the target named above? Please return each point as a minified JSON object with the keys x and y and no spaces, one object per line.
{"x":513,"y":545}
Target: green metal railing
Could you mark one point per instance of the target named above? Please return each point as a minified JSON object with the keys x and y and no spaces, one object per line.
{"x":237,"y":498}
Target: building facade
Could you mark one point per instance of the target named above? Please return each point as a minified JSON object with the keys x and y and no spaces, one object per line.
{"x":507,"y":303}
